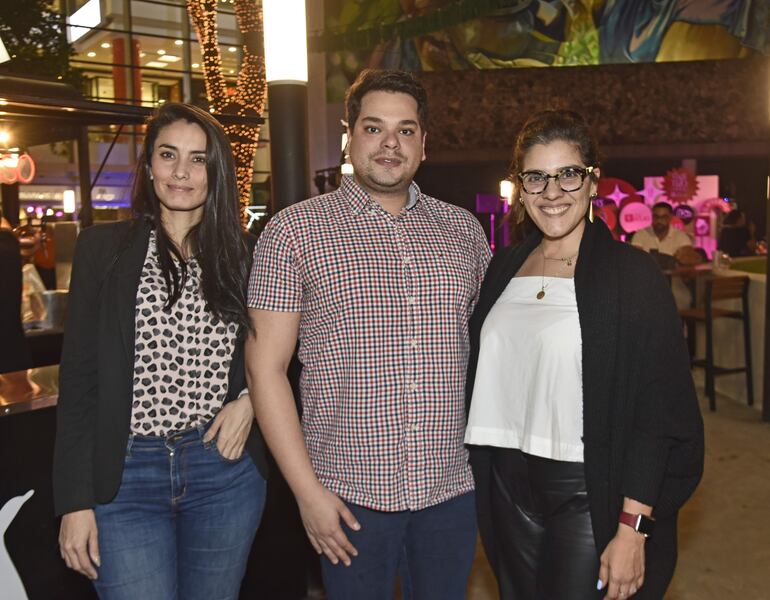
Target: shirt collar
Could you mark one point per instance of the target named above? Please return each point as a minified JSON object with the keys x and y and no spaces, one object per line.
{"x":360,"y":199}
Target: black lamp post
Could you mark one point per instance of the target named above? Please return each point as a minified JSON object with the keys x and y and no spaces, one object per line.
{"x":286,"y":69}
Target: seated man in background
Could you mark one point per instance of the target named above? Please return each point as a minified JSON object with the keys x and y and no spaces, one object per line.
{"x":663,"y":238}
{"x":660,"y":238}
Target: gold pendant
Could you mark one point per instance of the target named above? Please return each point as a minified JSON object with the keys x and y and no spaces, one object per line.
{"x":541,"y":294}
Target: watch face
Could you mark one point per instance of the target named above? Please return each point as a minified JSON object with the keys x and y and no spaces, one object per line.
{"x":646,"y":525}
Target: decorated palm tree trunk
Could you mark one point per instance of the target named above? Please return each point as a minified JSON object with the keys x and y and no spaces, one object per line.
{"x":250,"y":94}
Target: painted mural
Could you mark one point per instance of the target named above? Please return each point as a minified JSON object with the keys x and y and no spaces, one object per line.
{"x":435,"y":35}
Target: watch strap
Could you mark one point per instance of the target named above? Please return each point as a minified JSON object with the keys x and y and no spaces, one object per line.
{"x":639,"y":523}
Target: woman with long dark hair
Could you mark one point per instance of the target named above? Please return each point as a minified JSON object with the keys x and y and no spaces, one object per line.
{"x":158,"y":497}
{"x":586,"y":436}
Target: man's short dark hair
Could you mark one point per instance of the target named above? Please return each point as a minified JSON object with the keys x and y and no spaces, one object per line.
{"x":665,"y":205}
{"x":385,"y":80}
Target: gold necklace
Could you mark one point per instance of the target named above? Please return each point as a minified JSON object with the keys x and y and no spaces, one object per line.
{"x":566,"y":261}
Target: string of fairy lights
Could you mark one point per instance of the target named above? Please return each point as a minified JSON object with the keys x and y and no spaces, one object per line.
{"x":251,"y":91}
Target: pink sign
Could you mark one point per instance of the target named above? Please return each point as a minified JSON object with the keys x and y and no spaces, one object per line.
{"x":635,"y":216}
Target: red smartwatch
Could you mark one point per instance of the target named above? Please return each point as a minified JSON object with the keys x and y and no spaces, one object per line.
{"x":639,"y":523}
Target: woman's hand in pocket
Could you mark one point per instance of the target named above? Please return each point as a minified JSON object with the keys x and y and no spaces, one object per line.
{"x":231,"y":427}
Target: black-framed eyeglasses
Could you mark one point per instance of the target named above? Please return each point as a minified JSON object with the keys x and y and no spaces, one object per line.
{"x":570,"y":179}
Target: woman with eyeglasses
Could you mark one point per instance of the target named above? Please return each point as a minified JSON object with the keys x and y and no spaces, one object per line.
{"x":584,"y":428}
{"x":159,"y":469}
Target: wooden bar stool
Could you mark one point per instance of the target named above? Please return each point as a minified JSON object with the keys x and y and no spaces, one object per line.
{"x":722,"y":288}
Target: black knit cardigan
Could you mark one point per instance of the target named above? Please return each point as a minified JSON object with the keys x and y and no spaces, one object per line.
{"x":642,"y":427}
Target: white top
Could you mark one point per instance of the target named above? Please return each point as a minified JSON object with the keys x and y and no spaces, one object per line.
{"x":674,"y":239}
{"x":528,"y":392}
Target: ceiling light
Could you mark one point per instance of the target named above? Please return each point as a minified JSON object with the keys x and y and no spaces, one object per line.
{"x":195,"y":65}
{"x":3,"y":102}
{"x":156,"y":64}
{"x":5,"y":137}
{"x":178,"y":42}
{"x":91,"y":54}
{"x":142,"y":54}
{"x":161,"y":52}
{"x":170,"y":58}
{"x":232,"y":49}
{"x":105,"y":44}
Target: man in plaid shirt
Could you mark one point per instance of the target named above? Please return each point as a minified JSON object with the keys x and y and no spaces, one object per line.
{"x":377,"y":281}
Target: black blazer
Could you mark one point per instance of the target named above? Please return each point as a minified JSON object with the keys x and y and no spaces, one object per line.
{"x":642,"y":427}
{"x":96,"y":372}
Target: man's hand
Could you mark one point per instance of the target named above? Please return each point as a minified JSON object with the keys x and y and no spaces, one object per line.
{"x":79,"y":542}
{"x":622,"y":564}
{"x":321,"y":512}
{"x":231,"y":427}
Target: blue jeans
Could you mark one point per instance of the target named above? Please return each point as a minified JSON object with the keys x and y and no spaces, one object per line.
{"x":182,"y":523}
{"x":431,"y":550}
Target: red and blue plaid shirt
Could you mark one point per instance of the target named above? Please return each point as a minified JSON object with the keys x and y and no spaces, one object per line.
{"x":385,"y":303}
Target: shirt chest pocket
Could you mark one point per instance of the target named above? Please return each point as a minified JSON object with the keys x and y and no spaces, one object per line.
{"x":449,"y":274}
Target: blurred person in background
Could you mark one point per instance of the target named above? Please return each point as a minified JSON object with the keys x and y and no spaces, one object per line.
{"x":671,"y":247}
{"x":33,"y":309}
{"x":14,"y":353}
{"x":738,"y":237}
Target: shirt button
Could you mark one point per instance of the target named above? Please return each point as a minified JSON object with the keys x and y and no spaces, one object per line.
{"x":372,"y":212}
{"x":413,"y":343}
{"x":410,"y":300}
{"x":413,"y":387}
{"x":407,"y":259}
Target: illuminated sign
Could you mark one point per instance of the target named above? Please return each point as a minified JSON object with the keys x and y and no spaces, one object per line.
{"x":685,"y":213}
{"x":702,"y":226}
{"x":16,"y":168}
{"x":82,"y":20}
{"x":680,"y":185}
{"x":635,"y":216}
